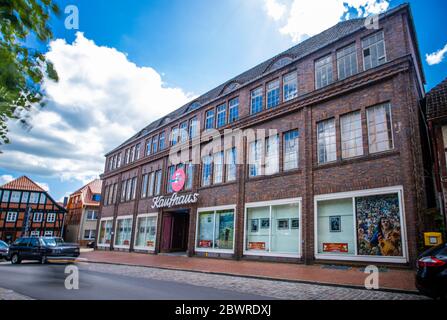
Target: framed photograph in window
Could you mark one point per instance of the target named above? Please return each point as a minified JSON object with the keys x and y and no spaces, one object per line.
{"x":283,"y":224}
{"x":295,"y":223}
{"x":265,"y":223}
{"x":254,"y":225}
{"x":335,"y":224}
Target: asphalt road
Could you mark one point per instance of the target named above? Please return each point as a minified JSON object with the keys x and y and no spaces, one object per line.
{"x":47,"y":282}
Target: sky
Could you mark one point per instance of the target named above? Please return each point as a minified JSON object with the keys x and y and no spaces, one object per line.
{"x":130,"y":62}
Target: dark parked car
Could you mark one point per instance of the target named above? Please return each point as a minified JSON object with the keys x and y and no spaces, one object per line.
{"x":431,"y":276}
{"x":42,"y":249}
{"x":4,"y":249}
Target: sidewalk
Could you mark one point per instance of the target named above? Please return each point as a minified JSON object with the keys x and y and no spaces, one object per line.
{"x":394,"y":279}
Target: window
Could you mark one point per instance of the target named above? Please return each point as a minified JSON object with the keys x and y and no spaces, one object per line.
{"x":132,"y":154}
{"x":123,"y":232}
{"x":105,"y":232}
{"x":89,"y":234}
{"x":34,"y":197}
{"x":290,"y":86}
{"x":323,"y":72}
{"x":154,"y":144}
{"x":218,"y":167}
{"x":171,"y":171}
{"x":115,"y":193}
{"x":272,"y":155}
{"x":15,"y":196}
{"x":209,"y":119}
{"x":363,"y":223}
{"x":189,"y":176}
{"x":351,"y":135}
{"x":231,"y":164}
{"x":193,"y":128}
{"x":126,"y":155}
{"x":233,"y":113}
{"x":92,"y":215}
{"x":291,"y":149}
{"x":11,"y":216}
{"x":42,"y":198}
{"x":280,"y":63}
{"x":373,"y":51}
{"x":151,"y":184}
{"x":51,"y":217}
{"x":134,"y":188}
{"x":37,"y":217}
{"x":221,"y":115}
{"x":146,"y":232}
{"x":144,"y":185}
{"x":34,"y":233}
{"x":96,"y":197}
{"x":272,"y":94}
{"x":184,"y":131}
{"x":174,"y":135}
{"x":347,"y":62}
{"x":110,"y":163}
{"x":207,"y":167}
{"x":25,"y":197}
{"x":5,"y":196}
{"x":48,"y":233}
{"x":157,"y":183}
{"x":162,"y":142}
{"x":137,"y":151}
{"x":327,"y":150}
{"x":380,"y":135}
{"x":123,"y":190}
{"x":215,"y":230}
{"x":255,"y":158}
{"x":256,"y":100}
{"x":273,"y":229}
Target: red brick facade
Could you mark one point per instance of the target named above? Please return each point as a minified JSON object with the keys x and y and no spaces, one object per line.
{"x":398,"y":82}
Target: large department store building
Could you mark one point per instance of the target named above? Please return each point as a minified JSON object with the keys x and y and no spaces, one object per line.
{"x":338,"y":180}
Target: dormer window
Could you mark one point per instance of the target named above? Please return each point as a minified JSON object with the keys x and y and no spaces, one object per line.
{"x":279,"y":63}
{"x":230,"y":87}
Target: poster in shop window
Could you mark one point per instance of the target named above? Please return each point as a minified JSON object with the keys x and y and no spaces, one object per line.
{"x":379,"y":225}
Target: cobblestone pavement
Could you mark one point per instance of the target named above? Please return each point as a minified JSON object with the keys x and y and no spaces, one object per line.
{"x":269,"y":288}
{"x":6,"y":294}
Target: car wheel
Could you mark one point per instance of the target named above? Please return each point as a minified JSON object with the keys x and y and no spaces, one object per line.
{"x":15,"y":259}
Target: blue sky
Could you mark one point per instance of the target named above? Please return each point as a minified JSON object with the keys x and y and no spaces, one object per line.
{"x":190,"y":46}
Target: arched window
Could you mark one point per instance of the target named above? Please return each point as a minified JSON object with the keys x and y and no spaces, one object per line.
{"x":194,"y":106}
{"x":230,"y":87}
{"x":279,"y":63}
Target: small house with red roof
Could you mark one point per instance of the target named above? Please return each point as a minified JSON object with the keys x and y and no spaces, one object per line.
{"x":83,"y":207}
{"x":26,"y":209}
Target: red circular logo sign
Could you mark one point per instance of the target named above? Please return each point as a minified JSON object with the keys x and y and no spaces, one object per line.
{"x":178,"y":180}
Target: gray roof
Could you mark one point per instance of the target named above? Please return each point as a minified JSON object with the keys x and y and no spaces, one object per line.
{"x":301,"y":50}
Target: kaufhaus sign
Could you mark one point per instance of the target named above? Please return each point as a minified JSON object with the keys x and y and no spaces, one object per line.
{"x":174,"y":200}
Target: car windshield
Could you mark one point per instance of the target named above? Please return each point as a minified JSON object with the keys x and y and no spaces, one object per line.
{"x":52,"y":242}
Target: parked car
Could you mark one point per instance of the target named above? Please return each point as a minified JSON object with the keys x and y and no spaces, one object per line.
{"x":431,"y":276}
{"x":4,"y":250}
{"x":43,"y":249}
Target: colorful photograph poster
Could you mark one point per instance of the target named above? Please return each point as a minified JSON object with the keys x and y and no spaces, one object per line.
{"x":379,"y":225}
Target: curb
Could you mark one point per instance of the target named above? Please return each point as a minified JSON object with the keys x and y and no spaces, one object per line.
{"x":349,"y":286}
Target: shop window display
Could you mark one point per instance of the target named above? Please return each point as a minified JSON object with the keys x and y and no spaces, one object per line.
{"x":216,"y":230}
{"x":105,"y":232}
{"x":123,"y":232}
{"x":147,"y":231}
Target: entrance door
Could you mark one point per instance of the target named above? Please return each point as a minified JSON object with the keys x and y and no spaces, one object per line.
{"x":175,"y":231}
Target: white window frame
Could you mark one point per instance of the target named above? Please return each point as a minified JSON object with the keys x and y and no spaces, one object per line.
{"x":8,"y":217}
{"x":270,"y":204}
{"x":51,"y":214}
{"x":389,"y":105}
{"x":90,"y":234}
{"x":13,"y":199}
{"x":146,"y":215}
{"x":363,"y":49}
{"x":35,"y":233}
{"x":218,"y":208}
{"x":353,"y":195}
{"x":90,"y":210}
{"x":116,"y":228}
{"x":48,"y":233}
{"x":103,"y":245}
{"x":38,"y":214}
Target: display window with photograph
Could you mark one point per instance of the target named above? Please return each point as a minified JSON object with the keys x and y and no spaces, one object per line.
{"x":273,"y":228}
{"x":105,"y":232}
{"x":364,"y":225}
{"x":215,"y":229}
{"x":146,"y":234}
{"x":123,"y":232}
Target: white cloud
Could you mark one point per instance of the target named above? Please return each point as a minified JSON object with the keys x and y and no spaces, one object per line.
{"x":436,"y":57}
{"x":308,"y":18}
{"x":5,"y":179}
{"x":274,"y":9}
{"x":101,"y":99}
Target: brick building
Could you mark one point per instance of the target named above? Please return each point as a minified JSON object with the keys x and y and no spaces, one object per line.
{"x":339,"y":180}
{"x":83,"y":207}
{"x":436,"y":113}
{"x":28,"y":210}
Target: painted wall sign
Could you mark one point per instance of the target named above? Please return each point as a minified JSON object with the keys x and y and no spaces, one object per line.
{"x":174,"y":200}
{"x":335,"y":247}
{"x":256,"y":245}
{"x":178,"y":180}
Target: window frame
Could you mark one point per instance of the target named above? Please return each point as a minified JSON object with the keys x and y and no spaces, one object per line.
{"x":353,"y":44}
{"x":388,"y":104}
{"x":51,"y":214}
{"x":116,"y":228}
{"x":359,"y":112}
{"x":8,"y":219}
{"x":363,"y":49}
{"x":269,"y":97}
{"x":284,"y":135}
{"x":284,"y":83}
{"x":213,"y":117}
{"x":145,"y":215}
{"x":259,"y":96}
{"x":331,"y":64}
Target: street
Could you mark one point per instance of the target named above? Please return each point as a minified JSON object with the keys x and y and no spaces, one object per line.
{"x":109,"y":282}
